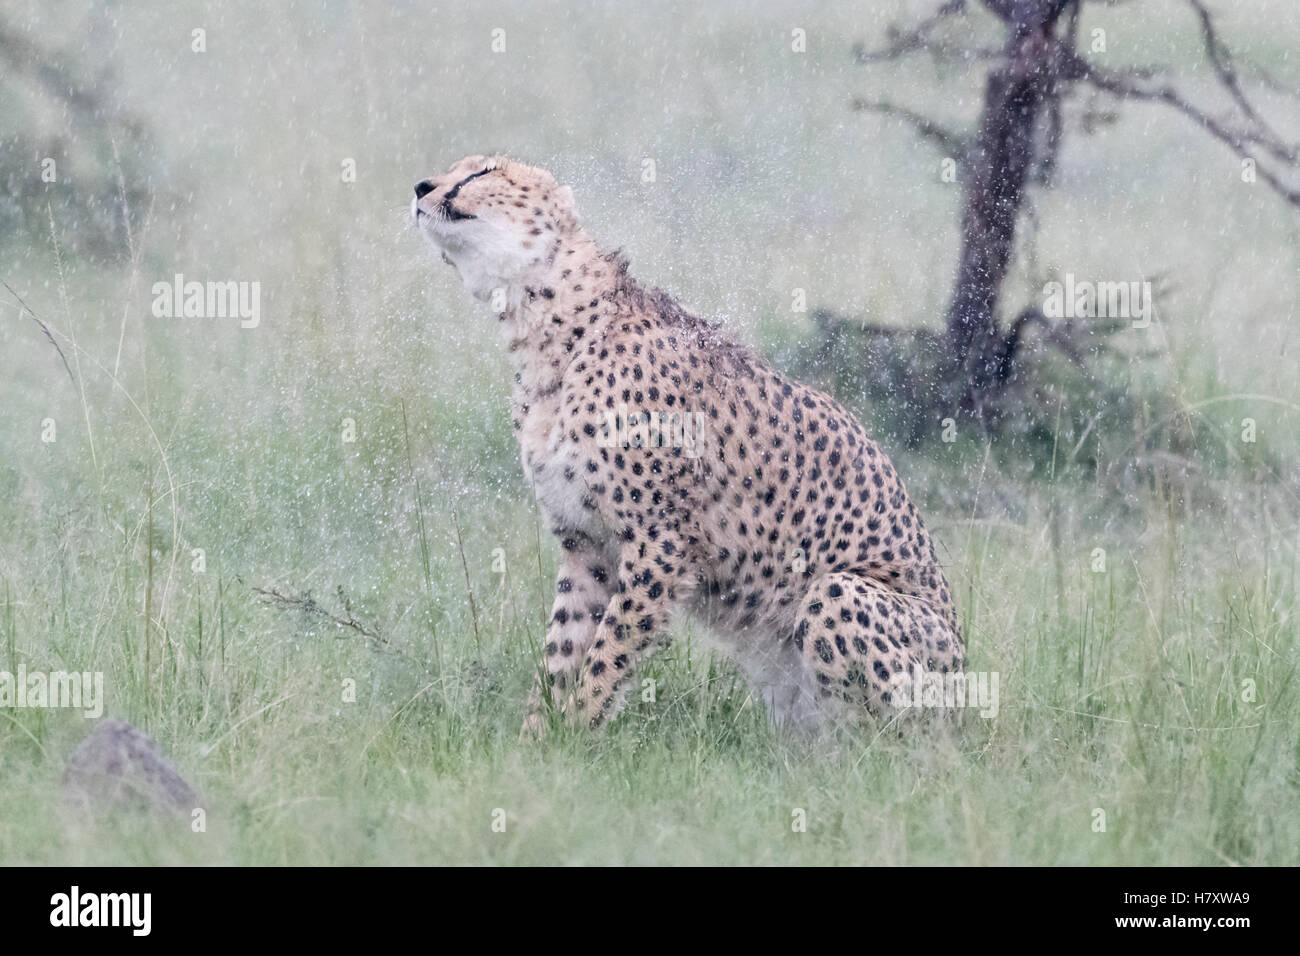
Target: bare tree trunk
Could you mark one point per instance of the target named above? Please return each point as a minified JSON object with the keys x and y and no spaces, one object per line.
{"x":1019,"y":134}
{"x":998,"y":168}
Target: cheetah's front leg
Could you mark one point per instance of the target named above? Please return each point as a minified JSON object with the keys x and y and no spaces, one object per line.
{"x":582,"y":589}
{"x":654,"y":576}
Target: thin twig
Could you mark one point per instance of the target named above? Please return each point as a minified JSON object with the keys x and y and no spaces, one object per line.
{"x":309,"y":605}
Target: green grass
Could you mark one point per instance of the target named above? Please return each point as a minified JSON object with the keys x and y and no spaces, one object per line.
{"x":1130,"y":702}
{"x":1122,"y":690}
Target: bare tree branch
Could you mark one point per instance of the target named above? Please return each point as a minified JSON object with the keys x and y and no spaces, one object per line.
{"x":1125,"y":84}
{"x":1221,"y":57}
{"x":921,"y":38}
{"x":953,"y":143}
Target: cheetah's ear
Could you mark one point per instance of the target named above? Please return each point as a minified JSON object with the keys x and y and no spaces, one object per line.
{"x":566,"y":197}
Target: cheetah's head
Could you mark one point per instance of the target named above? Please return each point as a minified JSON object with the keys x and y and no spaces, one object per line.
{"x":498,"y":222}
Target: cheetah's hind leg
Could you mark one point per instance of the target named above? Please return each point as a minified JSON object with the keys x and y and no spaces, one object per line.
{"x":858,"y":637}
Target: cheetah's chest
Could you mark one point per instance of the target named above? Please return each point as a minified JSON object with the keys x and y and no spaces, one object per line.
{"x":554,"y":467}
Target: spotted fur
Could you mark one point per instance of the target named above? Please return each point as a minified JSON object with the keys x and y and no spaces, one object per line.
{"x":785,"y":527}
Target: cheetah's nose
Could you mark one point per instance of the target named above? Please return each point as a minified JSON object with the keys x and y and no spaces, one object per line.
{"x":423,"y":189}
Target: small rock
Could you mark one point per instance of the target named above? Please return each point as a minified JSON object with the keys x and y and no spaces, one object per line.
{"x":119,"y":767}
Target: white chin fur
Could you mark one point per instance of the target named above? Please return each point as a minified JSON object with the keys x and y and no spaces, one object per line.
{"x":486,"y":258}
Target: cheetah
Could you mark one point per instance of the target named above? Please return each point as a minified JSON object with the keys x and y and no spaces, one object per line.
{"x":679,"y":472}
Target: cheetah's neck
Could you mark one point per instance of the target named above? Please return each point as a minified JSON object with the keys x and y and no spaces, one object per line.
{"x":552,"y":311}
